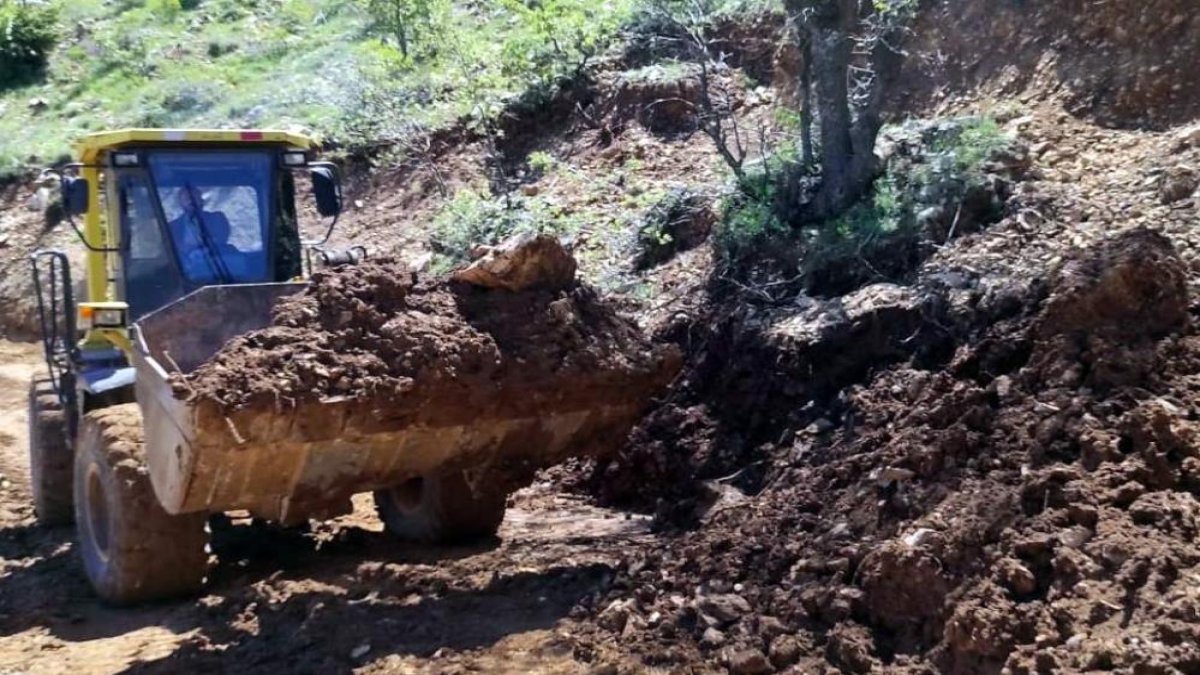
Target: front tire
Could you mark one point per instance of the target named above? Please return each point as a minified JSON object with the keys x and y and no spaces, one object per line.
{"x":442,"y":508}
{"x":133,"y":551}
{"x":51,"y":458}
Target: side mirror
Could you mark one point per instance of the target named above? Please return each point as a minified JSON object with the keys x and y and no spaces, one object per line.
{"x":74,"y":195}
{"x":327,"y":190}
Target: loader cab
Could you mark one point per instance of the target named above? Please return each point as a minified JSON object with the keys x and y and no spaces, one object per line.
{"x":161,"y":214}
{"x":199,"y":217}
{"x":195,"y":215}
{"x":165,"y":213}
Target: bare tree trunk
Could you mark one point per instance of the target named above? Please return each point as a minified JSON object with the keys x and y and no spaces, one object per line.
{"x":847,"y":132}
{"x":806,"y":112}
{"x":830,"y":28}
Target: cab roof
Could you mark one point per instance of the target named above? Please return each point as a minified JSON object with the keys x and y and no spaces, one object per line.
{"x":91,"y":146}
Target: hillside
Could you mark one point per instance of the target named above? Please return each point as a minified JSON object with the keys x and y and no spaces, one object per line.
{"x":950,"y":430}
{"x":323,"y":66}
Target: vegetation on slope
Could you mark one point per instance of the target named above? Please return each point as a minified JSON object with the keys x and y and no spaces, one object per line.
{"x":331,"y":67}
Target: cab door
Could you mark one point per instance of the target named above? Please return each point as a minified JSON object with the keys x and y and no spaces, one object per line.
{"x":150,"y":276}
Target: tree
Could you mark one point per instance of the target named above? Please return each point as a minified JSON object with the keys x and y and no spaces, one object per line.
{"x":556,"y":38}
{"x":851,"y":57}
{"x":28,"y":33}
{"x":409,"y":22}
{"x":687,"y":25}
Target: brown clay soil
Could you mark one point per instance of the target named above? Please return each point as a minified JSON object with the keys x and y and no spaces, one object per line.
{"x":376,"y":331}
{"x":992,"y":468}
{"x":1036,"y":513}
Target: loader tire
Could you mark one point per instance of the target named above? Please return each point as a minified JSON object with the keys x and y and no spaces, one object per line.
{"x":133,"y":551}
{"x":51,"y":458}
{"x":441,"y":508}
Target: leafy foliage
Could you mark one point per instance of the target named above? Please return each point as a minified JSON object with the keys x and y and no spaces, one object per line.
{"x":167,"y":9}
{"x":557,"y":38}
{"x":28,"y":33}
{"x":414,"y":24}
{"x":474,"y":219}
{"x":676,"y":222}
{"x":748,"y":222}
{"x":936,"y":184}
{"x":541,"y":162}
{"x":313,"y":64}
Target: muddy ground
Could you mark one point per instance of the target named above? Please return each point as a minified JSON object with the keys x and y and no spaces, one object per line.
{"x":342,"y":597}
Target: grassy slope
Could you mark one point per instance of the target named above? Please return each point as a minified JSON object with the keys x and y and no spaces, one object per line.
{"x":307,"y":63}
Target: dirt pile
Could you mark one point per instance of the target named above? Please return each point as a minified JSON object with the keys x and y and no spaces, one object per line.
{"x":378,"y":331}
{"x":1036,"y":512}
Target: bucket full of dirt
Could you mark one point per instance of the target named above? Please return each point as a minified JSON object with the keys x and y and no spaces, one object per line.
{"x":284,"y":399}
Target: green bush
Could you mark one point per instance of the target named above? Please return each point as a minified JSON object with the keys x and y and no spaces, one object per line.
{"x":414,"y":24}
{"x":27,"y":35}
{"x":746,"y":224}
{"x":557,"y":38}
{"x":541,"y":162}
{"x":472,"y":219}
{"x":165,"y":9}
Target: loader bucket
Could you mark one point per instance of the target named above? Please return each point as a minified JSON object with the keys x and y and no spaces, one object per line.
{"x":286,"y":459}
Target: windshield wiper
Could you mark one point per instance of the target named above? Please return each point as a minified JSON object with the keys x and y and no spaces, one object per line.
{"x":211,"y":254}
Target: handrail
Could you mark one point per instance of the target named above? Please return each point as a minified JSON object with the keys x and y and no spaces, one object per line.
{"x":59,"y":348}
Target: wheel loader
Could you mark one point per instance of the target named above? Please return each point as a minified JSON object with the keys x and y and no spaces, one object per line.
{"x":190,"y":237}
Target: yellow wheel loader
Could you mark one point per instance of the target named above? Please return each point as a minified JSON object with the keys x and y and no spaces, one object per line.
{"x":191,"y":236}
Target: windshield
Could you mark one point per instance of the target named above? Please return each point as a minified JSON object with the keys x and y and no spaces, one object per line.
{"x":216,"y":206}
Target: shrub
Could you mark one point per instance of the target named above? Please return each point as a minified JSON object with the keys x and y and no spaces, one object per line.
{"x":541,"y":162}
{"x":165,"y":9}
{"x":940,"y":181}
{"x":27,"y":35}
{"x":472,"y":219}
{"x":936,"y":185}
{"x":413,"y":24}
{"x":557,"y":38}
{"x":746,"y":224}
{"x":677,"y":222}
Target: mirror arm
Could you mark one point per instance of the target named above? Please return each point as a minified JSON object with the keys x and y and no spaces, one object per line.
{"x":328,"y":233}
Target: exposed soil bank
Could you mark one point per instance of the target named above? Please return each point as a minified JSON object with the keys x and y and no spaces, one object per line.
{"x":1030,"y":505}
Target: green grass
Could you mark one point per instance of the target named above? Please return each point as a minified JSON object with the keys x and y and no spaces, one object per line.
{"x":307,"y":64}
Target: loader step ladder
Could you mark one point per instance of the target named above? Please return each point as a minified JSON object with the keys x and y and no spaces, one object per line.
{"x":56,"y":317}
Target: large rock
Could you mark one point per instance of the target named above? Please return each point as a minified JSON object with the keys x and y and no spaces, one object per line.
{"x":1177,"y":183}
{"x":1132,"y":285}
{"x":523,"y":262}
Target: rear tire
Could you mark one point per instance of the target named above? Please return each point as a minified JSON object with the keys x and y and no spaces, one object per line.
{"x":441,"y":508}
{"x":51,"y":458}
{"x":133,"y":551}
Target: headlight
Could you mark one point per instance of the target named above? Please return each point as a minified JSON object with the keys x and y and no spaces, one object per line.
{"x":293,"y":160}
{"x":125,"y":159}
{"x":95,"y":317}
{"x":109,"y":318}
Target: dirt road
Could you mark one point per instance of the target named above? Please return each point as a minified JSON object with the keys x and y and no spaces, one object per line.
{"x":341,"y":597}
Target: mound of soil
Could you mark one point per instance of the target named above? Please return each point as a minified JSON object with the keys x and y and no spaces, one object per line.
{"x":1034,"y":513}
{"x":378,"y":331}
